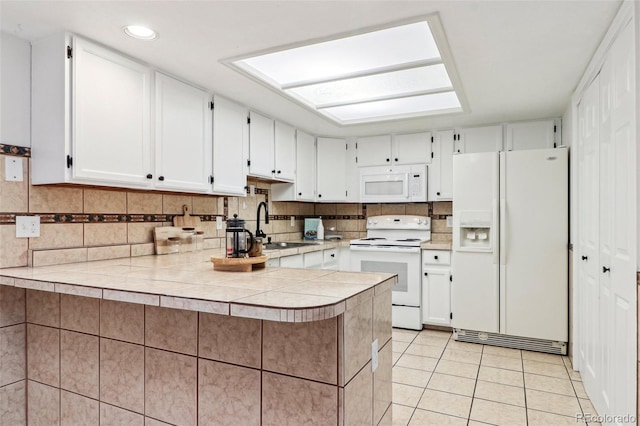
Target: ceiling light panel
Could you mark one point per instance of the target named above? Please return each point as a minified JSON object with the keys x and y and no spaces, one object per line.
{"x":375,"y":87}
{"x":395,"y":108}
{"x":374,"y":76}
{"x":347,"y":56}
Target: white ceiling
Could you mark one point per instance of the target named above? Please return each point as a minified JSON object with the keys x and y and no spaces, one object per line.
{"x":517,"y":60}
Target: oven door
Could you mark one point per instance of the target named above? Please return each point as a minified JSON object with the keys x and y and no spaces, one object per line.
{"x":402,"y":261}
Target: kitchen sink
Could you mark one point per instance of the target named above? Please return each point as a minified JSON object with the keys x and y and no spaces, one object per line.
{"x":285,"y":245}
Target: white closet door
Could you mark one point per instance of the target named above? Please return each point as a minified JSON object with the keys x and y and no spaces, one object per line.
{"x":588,"y":238}
{"x":618,"y":226}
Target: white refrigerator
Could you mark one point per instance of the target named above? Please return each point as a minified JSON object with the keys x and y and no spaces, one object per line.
{"x":510,"y":243}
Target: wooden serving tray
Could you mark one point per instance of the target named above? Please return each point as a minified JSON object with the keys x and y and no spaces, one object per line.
{"x":238,"y":264}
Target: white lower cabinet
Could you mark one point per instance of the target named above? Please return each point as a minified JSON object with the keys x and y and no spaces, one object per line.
{"x":436,"y":287}
{"x":332,"y":259}
{"x":293,"y":261}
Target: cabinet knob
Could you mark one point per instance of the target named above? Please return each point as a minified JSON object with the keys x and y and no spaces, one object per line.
{"x":435,"y":257}
{"x":605,"y":269}
{"x":273,"y":171}
{"x":437,"y":193}
{"x":160,"y":177}
{"x":299,"y":194}
{"x":149,"y":176}
{"x":279,"y":171}
{"x":319,"y":195}
{"x":333,"y":255}
{"x":387,"y":160}
{"x":584,"y":257}
{"x":425,"y":274}
{"x":396,"y":160}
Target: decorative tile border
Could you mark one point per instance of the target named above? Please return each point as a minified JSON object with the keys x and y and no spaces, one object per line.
{"x":18,"y":151}
{"x":324,"y":217}
{"x":10,"y":218}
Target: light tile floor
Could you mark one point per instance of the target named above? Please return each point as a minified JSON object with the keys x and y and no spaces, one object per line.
{"x":440,"y":381}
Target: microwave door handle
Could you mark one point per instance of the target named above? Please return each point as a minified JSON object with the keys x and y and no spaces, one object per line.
{"x":408,"y":181}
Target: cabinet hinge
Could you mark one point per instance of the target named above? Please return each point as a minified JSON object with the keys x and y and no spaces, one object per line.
{"x":346,"y":193}
{"x":451,"y":278}
{"x":554,"y":128}
{"x":248,"y":162}
{"x":356,"y":160}
{"x":211,"y":106}
{"x":69,"y":161}
{"x":555,"y":145}
{"x":450,"y":315}
{"x":69,"y":52}
{"x":432,"y":155}
{"x":431,"y":139}
{"x":356,"y":145}
{"x":248,"y":120}
{"x":211,"y":179}
{"x":346,"y":146}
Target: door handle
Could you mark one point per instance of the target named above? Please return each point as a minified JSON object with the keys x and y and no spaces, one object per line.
{"x":584,"y":257}
{"x":605,"y":269}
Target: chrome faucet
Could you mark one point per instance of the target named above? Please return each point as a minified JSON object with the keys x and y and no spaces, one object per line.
{"x":259,"y":232}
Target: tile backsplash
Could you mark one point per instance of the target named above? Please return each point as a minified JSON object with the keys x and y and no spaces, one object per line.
{"x":80,"y":223}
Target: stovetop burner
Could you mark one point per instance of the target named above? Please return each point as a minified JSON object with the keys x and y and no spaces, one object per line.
{"x":372,"y":239}
{"x":410,"y":239}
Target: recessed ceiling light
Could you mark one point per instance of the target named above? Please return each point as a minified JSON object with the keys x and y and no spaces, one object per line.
{"x":397,"y":72}
{"x":140,"y":32}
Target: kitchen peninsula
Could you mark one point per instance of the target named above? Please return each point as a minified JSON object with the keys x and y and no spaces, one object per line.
{"x":166,"y":339}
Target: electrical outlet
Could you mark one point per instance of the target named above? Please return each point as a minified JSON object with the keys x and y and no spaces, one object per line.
{"x":27,"y":226}
{"x":374,"y":356}
{"x":293,"y":221}
{"x":449,"y":221}
{"x":13,"y":169}
{"x":252,"y":190}
{"x":219,"y":222}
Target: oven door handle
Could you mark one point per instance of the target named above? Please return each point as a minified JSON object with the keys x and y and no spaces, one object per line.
{"x":385,"y":249}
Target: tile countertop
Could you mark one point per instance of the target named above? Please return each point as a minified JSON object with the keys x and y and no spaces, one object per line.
{"x":188,"y":281}
{"x":435,"y":246}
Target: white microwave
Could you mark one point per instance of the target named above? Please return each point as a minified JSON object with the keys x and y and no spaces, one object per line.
{"x":388,"y":184}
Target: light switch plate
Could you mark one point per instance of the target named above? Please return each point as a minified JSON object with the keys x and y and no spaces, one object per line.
{"x":374,"y":356}
{"x":252,"y":190}
{"x":449,"y":221}
{"x":27,"y":226}
{"x":293,"y":221}
{"x":219,"y":222}
{"x":13,"y":169}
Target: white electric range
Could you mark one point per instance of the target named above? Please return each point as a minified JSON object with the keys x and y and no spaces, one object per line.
{"x":392,"y":245}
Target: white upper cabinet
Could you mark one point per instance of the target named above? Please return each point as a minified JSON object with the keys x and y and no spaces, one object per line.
{"x":261,"y":146}
{"x":110,"y":116}
{"x":271,"y":148}
{"x":285,"y":151}
{"x":90,"y":119}
{"x":305,"y":167}
{"x":183,"y":136}
{"x":533,"y":135}
{"x":478,"y":139}
{"x":374,"y":151}
{"x":440,"y":184}
{"x":331,"y":170}
{"x":230,"y":146}
{"x":411,"y":148}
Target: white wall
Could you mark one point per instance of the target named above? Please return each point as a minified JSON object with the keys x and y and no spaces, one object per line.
{"x":15,"y":91}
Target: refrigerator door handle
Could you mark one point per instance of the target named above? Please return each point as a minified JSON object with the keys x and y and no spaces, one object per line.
{"x":503,"y":232}
{"x":496,"y":251}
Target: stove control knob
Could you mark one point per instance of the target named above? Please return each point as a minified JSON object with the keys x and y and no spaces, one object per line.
{"x":419,"y":221}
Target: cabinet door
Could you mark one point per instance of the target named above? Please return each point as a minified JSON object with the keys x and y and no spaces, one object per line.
{"x":294,"y":261}
{"x":261,"y":146}
{"x":374,"y":151}
{"x":305,"y":167}
{"x":183,"y":136}
{"x":412,"y":148}
{"x":285,"y":151}
{"x":313,"y":260}
{"x":531,"y":135}
{"x":479,"y":139}
{"x":230,"y":136}
{"x":110,"y":117}
{"x":436,"y":296}
{"x":441,"y":170}
{"x":332,"y":169}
